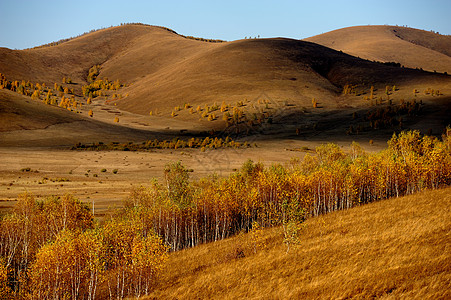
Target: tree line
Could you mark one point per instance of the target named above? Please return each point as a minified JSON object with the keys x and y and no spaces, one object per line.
{"x":186,"y":214}
{"x":176,"y":143}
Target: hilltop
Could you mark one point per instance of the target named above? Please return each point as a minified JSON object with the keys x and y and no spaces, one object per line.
{"x":410,"y":47}
{"x":395,"y":248}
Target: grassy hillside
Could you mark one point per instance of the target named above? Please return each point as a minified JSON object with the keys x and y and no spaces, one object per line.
{"x":28,"y":123}
{"x":410,"y":47}
{"x":163,"y":70}
{"x":72,"y":58}
{"x":20,"y":112}
{"x":396,"y":249}
{"x":281,"y":69}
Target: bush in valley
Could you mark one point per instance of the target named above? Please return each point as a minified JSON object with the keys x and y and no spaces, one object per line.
{"x":194,"y":143}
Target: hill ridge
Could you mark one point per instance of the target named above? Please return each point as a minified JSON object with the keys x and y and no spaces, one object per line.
{"x":64,"y":40}
{"x":414,"y":48}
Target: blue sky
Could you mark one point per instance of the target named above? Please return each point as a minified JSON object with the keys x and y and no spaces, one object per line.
{"x":30,"y":23}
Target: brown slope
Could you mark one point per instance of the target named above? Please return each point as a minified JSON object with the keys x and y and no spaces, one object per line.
{"x":392,"y":249}
{"x":427,"y":39}
{"x":164,"y":70}
{"x":72,"y":58}
{"x":282,"y":69}
{"x":29,"y":123}
{"x":229,"y":72}
{"x":20,"y":112}
{"x":410,"y":47}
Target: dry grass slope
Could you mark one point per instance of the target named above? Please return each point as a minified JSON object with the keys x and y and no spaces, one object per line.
{"x":29,"y":123}
{"x":20,"y":112}
{"x":393,"y":249}
{"x":164,"y":70}
{"x":410,"y":47}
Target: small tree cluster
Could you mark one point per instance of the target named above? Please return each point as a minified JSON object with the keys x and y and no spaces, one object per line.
{"x":67,"y":80}
{"x":93,"y":72}
{"x":42,"y":92}
{"x":99,"y":87}
{"x":432,"y":92}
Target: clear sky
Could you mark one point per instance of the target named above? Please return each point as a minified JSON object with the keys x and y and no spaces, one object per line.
{"x":31,"y":23}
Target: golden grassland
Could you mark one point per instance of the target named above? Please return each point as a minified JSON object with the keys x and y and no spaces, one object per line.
{"x":392,"y":249}
{"x":410,"y":47}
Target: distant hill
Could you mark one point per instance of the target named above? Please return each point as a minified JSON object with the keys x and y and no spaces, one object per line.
{"x":164,"y":69}
{"x":270,"y":86}
{"x":410,"y":47}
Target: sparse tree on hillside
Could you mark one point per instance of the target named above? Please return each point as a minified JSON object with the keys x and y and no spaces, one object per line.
{"x":314,"y":103}
{"x":225,"y":117}
{"x":36,"y":95}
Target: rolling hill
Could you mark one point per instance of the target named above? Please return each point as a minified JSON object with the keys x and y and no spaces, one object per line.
{"x":410,"y":47}
{"x":281,"y":97}
{"x":276,"y":80}
{"x":162,"y":67}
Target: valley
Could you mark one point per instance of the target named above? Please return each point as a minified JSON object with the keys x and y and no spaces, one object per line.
{"x":219,"y":154}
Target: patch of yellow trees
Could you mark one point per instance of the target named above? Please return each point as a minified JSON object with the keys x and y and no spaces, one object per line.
{"x":52,"y":249}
